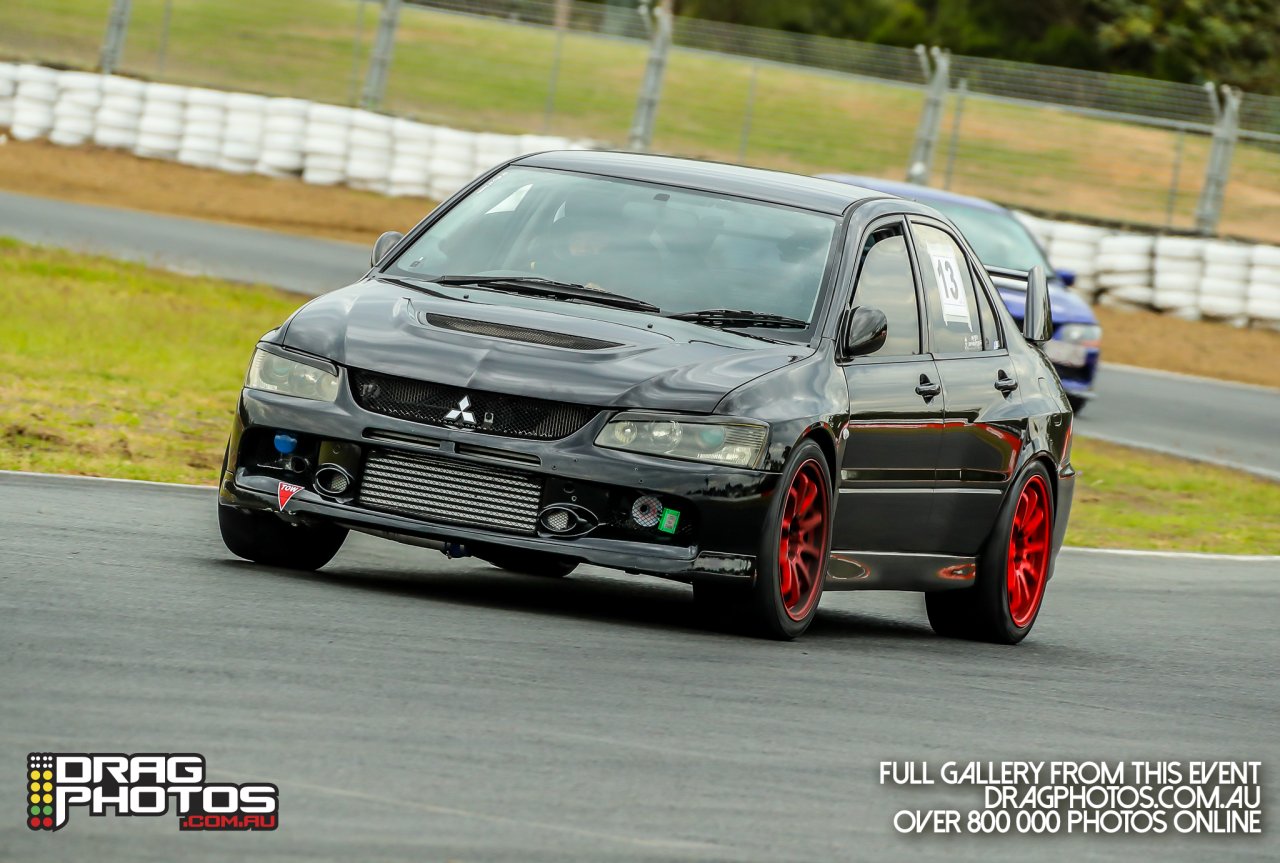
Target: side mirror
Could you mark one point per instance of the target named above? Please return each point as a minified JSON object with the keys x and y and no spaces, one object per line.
{"x":868,"y":328}
{"x":385,"y":243}
{"x":1037,"y":319}
{"x":1068,"y":277}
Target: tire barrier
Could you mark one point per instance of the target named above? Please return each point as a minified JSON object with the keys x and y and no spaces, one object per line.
{"x":245,"y":133}
{"x":1190,"y":277}
{"x":334,"y":145}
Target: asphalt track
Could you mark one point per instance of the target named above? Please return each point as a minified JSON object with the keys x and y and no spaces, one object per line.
{"x":412,"y":708}
{"x":1192,"y":417}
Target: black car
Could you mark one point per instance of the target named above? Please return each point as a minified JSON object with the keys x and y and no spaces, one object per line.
{"x":760,"y":384}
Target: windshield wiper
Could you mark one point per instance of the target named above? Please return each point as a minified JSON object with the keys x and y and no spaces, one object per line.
{"x":739,"y":318}
{"x":539,"y":287}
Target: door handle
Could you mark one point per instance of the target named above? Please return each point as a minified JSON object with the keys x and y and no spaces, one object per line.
{"x":928,"y":388}
{"x":1004,"y":383}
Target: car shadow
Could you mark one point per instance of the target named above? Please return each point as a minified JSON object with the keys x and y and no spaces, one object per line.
{"x":647,"y":602}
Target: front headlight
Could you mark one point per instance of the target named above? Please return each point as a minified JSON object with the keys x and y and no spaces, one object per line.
{"x":728,"y":442}
{"x":1081,"y":334}
{"x":275,"y":374}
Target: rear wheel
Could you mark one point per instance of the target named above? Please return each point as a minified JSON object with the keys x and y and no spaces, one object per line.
{"x":537,"y":563}
{"x":792,"y":563}
{"x":1013,"y":571}
{"x":263,"y":538}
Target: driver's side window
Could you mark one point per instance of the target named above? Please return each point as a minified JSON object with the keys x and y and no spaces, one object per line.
{"x":884,"y":281}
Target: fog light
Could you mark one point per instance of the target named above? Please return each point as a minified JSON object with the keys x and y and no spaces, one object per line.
{"x":285,"y":443}
{"x":333,"y":480}
{"x":646,"y":511}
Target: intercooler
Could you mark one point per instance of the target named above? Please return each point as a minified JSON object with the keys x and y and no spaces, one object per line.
{"x":450,"y":491}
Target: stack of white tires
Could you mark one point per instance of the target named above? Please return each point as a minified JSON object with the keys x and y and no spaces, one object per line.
{"x":1225,"y":281}
{"x":1076,"y":248}
{"x":1179,"y":266}
{"x":8,"y":88}
{"x":74,"y":112}
{"x":412,"y":144}
{"x":1125,"y":273}
{"x":160,"y":129}
{"x":452,"y":161}
{"x":325,"y":147}
{"x":369,"y":151}
{"x":204,"y":123}
{"x":1262,"y":301}
{"x":284,"y":138}
{"x":116,"y":122}
{"x":242,"y":135}
{"x":34,"y":94}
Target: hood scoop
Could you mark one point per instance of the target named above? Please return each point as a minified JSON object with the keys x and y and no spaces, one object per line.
{"x":516,"y":334}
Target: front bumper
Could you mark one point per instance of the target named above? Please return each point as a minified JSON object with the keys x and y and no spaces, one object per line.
{"x":722,"y":508}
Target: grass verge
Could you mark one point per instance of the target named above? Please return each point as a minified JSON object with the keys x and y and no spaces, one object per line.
{"x":113,"y":369}
{"x":120,"y":370}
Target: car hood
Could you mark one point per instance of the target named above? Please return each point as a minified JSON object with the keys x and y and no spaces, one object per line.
{"x":1066,"y":307}
{"x":651,"y":362}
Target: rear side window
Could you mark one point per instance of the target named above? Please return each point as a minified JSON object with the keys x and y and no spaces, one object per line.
{"x":885,"y":282}
{"x":990,"y":329}
{"x":954,"y":323}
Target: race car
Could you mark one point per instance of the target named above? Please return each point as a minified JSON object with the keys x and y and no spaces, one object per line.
{"x":1004,"y":242}
{"x":763,"y":385}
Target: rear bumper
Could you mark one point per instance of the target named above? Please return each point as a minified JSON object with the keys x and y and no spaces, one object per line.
{"x":722,"y":509}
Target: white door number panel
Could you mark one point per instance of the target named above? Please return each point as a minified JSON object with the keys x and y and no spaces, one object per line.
{"x":946,"y":274}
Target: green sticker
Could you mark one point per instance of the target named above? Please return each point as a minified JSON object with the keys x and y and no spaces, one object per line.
{"x":670,"y":518}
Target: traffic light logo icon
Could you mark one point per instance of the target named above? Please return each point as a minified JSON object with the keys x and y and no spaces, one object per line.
{"x":40,"y":791}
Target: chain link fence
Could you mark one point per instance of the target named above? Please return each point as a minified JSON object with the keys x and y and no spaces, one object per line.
{"x":1069,"y":143}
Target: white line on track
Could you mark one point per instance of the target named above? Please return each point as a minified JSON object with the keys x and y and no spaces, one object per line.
{"x":1133,"y":552}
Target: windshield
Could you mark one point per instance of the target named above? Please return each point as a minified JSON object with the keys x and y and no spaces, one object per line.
{"x":677,"y":249}
{"x":999,"y":239}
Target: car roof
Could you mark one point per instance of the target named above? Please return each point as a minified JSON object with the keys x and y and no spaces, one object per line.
{"x":923,"y":194}
{"x":775,"y":187}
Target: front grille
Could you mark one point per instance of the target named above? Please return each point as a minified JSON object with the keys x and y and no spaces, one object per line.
{"x":490,"y":413}
{"x":518,"y":334}
{"x":450,"y":491}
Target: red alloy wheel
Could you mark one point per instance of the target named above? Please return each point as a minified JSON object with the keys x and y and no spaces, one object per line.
{"x":1028,"y":561}
{"x":802,"y":539}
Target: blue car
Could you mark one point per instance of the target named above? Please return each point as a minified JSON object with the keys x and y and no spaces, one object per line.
{"x":1002,"y":241}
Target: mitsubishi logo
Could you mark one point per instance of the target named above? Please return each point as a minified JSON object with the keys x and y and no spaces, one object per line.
{"x":462,"y":413}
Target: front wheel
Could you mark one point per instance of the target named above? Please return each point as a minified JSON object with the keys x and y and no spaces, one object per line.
{"x":1013,"y":571}
{"x":263,"y":538}
{"x":792,"y":564}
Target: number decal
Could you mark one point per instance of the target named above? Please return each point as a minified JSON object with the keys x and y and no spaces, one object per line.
{"x":946,"y":272}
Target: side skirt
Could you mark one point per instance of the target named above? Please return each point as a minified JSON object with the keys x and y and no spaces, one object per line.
{"x":878,"y":570}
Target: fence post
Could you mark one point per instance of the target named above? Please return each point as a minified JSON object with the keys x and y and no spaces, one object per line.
{"x":1226,"y":129}
{"x":651,"y":86}
{"x":956,"y":113}
{"x":749,"y":113}
{"x":938,"y":75}
{"x":563,"y":11}
{"x":375,"y":82}
{"x":163,"y":53}
{"x":113,"y":43}
{"x":353,"y":91}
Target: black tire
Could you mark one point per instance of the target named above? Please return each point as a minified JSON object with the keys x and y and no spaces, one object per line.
{"x":766,"y":611}
{"x":991,"y":610}
{"x":538,"y":563}
{"x":1077,"y":403}
{"x":264,"y":538}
